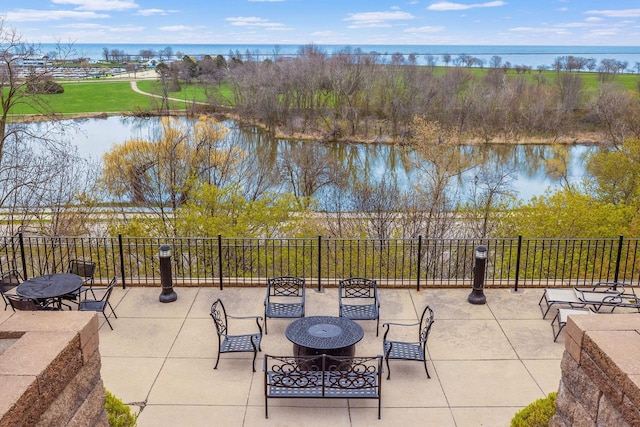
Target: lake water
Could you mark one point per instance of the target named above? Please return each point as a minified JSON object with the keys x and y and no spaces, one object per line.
{"x":530,"y":163}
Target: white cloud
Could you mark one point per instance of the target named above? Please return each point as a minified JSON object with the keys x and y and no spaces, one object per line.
{"x":83,"y":26}
{"x":376,"y":19}
{"x":104,"y":5}
{"x":447,"y":6}
{"x":593,"y":19}
{"x":539,"y":30}
{"x":152,"y":12}
{"x":620,"y":13}
{"x":253,"y":22}
{"x":425,"y":29}
{"x":174,"y":28}
{"x":126,"y":29}
{"x":30,"y":15}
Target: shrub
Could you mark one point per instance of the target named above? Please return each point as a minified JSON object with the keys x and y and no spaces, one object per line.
{"x":537,"y":414}
{"x":118,"y":413}
{"x":44,"y":86}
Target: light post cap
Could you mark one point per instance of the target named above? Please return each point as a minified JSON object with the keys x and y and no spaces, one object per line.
{"x":481,"y":252}
{"x":165,"y":251}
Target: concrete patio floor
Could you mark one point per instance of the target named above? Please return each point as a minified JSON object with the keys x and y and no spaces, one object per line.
{"x":486,"y":361}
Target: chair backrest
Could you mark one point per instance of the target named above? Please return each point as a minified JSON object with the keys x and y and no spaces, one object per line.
{"x":84,"y":269}
{"x":285,"y":286}
{"x":22,"y":304}
{"x":219,"y":315}
{"x":358,"y":287}
{"x":425,"y":324}
{"x":110,"y":287}
{"x":9,"y":280}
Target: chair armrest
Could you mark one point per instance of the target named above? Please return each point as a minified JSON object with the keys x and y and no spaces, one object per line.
{"x":244,"y":317}
{"x":400,"y":324}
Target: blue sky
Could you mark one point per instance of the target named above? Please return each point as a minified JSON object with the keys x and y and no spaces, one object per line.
{"x":354,"y":22}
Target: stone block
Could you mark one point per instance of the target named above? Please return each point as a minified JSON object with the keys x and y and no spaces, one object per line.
{"x":66,"y":404}
{"x":579,"y":385}
{"x":630,"y":412}
{"x":573,"y":347}
{"x":20,"y":403}
{"x":631,"y":389}
{"x":609,"y":414}
{"x":614,"y":351}
{"x":601,"y":381}
{"x":91,"y":413}
{"x":50,"y":373}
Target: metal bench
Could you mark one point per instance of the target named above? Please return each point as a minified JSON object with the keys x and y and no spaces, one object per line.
{"x":322,"y":376}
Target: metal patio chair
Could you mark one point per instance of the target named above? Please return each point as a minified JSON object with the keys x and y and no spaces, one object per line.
{"x":358,"y":300}
{"x":285,"y":298}
{"x":8,"y":282}
{"x":403,"y":350}
{"x":249,"y":343}
{"x":86,"y":270}
{"x":27,"y":304}
{"x":99,"y":305}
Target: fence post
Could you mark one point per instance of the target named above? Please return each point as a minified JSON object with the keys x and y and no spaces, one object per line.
{"x":419,"y":261}
{"x":618,"y":257}
{"x":220,"y":259}
{"x":121,"y":249}
{"x":319,"y":263}
{"x":515,"y":288}
{"x":23,"y":258}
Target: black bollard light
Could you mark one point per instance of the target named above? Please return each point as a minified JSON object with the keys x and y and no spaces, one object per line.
{"x":477,"y":294}
{"x":167,"y":295}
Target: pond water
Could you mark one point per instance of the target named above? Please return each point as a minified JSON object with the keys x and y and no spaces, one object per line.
{"x":532,"y":167}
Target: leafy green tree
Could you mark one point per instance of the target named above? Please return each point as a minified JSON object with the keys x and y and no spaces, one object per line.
{"x":614,"y":174}
{"x":568,"y":214}
{"x":211,"y":210}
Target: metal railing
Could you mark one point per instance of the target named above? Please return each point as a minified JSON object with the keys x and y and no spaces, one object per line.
{"x":514,"y":262}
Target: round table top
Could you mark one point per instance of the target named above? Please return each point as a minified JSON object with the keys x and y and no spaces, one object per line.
{"x":49,"y":286}
{"x":324,"y":332}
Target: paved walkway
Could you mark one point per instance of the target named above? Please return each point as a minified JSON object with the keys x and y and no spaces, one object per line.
{"x":487,"y":361}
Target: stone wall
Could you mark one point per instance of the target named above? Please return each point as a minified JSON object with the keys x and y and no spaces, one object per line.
{"x":50,"y":370}
{"x":600,"y":383}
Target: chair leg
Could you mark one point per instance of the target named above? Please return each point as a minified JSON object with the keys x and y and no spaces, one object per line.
{"x":107,"y":319}
{"x":425,"y":368}
{"x":388,"y":369}
{"x":377,"y":325}
{"x":217,"y":360}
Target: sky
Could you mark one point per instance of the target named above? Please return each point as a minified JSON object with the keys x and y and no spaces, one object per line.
{"x":342,"y":22}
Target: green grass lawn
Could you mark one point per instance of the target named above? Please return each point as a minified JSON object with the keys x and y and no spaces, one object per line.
{"x":96,"y":97}
{"x":190,"y":92}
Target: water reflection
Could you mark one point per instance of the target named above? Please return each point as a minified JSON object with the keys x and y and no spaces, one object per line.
{"x":535,"y":167}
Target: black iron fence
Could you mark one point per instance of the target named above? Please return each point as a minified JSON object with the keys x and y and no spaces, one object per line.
{"x":420,"y":262}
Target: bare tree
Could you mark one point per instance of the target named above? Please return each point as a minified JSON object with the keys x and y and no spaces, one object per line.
{"x":307,"y":169}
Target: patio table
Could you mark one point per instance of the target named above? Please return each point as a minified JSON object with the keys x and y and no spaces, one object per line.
{"x":315,"y":335}
{"x":49,"y":287}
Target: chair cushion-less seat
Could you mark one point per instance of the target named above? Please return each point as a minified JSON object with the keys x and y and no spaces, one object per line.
{"x":360,"y":312}
{"x":240,"y":343}
{"x":404,"y":350}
